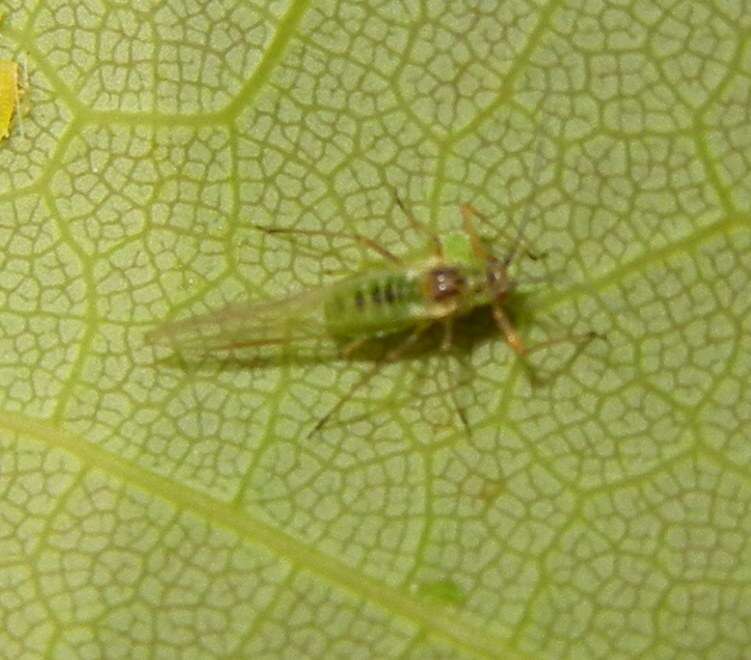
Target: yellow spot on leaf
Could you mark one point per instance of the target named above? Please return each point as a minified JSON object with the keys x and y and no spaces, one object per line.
{"x":9,"y":95}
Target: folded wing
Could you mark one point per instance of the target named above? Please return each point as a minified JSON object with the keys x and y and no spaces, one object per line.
{"x":298,"y":318}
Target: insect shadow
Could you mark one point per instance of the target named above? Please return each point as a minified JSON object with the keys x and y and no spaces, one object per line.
{"x":472,"y":331}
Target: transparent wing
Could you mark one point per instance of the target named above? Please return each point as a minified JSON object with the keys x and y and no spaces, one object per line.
{"x":298,"y":318}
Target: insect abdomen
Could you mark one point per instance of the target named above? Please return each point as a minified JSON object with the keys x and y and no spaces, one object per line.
{"x":377,"y":303}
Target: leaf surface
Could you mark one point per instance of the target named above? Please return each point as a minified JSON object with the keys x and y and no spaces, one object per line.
{"x":153,"y":507}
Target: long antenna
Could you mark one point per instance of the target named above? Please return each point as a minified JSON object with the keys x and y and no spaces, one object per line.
{"x":419,"y":227}
{"x":519,"y":240}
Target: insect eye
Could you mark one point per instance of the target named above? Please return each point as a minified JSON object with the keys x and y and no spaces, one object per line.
{"x":445,"y":283}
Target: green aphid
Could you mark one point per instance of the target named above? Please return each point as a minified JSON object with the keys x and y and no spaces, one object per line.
{"x":454,"y":275}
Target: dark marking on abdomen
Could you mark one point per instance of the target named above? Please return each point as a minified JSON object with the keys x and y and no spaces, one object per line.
{"x":390,"y":292}
{"x":359,"y":300}
{"x":375,"y":293}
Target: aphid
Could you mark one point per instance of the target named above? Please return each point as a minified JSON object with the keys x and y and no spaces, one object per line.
{"x":456,"y":274}
{"x":10,"y":93}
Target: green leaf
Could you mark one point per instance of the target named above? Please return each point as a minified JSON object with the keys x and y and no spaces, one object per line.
{"x":153,"y":508}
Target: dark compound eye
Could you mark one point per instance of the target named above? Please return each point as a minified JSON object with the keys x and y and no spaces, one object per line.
{"x":445,"y":283}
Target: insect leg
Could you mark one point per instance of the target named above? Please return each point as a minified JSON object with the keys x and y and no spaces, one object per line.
{"x":518,"y":241}
{"x":478,"y":248}
{"x":353,"y":346}
{"x":364,"y":241}
{"x":510,"y":334}
{"x":446,"y":345}
{"x":581,"y":340}
{"x":553,"y":324}
{"x":420,"y":227}
{"x":448,"y":334}
{"x":392,"y":356}
{"x":468,"y":212}
{"x":514,"y":340}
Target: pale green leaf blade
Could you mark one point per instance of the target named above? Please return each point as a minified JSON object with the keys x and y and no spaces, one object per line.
{"x":156,"y":507}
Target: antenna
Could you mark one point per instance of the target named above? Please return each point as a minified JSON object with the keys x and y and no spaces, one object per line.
{"x":419,"y":227}
{"x":519,"y":241}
